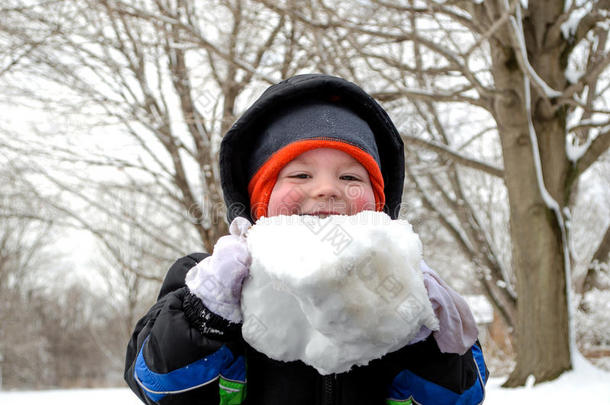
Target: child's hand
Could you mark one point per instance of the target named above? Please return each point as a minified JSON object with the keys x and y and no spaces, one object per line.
{"x":217,"y":279}
{"x":458,"y":328}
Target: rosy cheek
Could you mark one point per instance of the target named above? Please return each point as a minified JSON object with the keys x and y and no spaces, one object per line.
{"x":285,"y":202}
{"x":362,"y":202}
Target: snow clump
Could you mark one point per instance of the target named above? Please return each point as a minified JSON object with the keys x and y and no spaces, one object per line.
{"x":334,"y":292}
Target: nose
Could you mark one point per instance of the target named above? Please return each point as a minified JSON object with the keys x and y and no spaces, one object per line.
{"x":326,"y":187}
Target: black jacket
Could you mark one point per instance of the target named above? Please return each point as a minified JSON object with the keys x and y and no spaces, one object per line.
{"x":174,"y":357}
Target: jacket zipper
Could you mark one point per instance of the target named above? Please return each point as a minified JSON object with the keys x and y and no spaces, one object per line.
{"x":329,"y":389}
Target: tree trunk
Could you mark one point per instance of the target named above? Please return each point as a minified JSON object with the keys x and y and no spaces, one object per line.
{"x":542,"y":333}
{"x":538,"y":261}
{"x":542,"y":341}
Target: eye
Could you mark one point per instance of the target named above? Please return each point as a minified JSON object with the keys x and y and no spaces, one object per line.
{"x":299,"y":176}
{"x":349,"y":177}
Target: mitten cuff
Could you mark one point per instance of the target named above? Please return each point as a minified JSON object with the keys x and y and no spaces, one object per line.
{"x":206,"y":321}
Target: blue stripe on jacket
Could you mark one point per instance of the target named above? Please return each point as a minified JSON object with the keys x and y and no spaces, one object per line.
{"x":407,"y":385}
{"x":191,"y":376}
{"x":235,"y":371}
{"x":477,"y":353}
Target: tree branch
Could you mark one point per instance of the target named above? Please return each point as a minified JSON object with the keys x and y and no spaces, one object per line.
{"x":590,"y":20}
{"x":198,"y":38}
{"x":590,"y":76}
{"x":545,"y":91}
{"x":453,"y":97}
{"x":455,"y":156}
{"x":599,"y":146}
{"x":600,"y":256}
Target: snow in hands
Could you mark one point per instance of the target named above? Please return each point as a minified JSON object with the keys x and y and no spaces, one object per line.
{"x":334,"y":292}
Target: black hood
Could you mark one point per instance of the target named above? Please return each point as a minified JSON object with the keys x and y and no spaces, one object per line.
{"x":243,"y":138}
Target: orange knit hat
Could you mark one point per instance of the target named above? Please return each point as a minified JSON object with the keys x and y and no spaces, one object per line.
{"x":264,"y":179}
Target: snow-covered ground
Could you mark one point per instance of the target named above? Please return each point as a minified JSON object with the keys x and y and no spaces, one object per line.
{"x":106,"y":396}
{"x":586,"y":385}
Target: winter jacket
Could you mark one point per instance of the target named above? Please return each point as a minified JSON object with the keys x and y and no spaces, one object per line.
{"x":181,"y":353}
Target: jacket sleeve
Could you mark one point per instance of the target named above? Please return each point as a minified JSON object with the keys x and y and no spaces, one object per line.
{"x":425,"y":375}
{"x":180,"y":352}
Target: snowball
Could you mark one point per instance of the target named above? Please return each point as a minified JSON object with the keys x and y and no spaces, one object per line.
{"x":334,"y":292}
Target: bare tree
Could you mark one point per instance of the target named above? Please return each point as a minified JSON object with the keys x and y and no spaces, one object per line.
{"x":538,"y":77}
{"x":150,"y":72}
{"x":56,"y":331}
{"x":25,"y":250}
{"x":126,"y":267}
{"x":158,"y":82}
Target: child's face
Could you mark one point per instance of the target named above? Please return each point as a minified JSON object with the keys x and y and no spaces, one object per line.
{"x":322,"y":182}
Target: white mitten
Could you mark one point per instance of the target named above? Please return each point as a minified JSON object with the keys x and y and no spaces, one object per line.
{"x":458,"y":328}
{"x":217,"y":279}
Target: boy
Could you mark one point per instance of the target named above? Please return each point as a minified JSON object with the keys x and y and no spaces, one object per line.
{"x":311,"y":145}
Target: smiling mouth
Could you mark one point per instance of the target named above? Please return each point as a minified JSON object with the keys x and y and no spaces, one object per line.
{"x":322,"y":214}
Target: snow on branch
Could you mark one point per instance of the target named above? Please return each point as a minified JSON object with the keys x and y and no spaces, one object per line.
{"x":590,"y":123}
{"x":546,"y":196}
{"x":574,"y":19}
{"x":553,"y":205}
{"x":582,"y":19}
{"x":537,"y":81}
{"x":575,"y":150}
{"x":548,"y":199}
{"x":456,"y":156}
{"x":590,"y":76}
{"x":550,"y":202}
